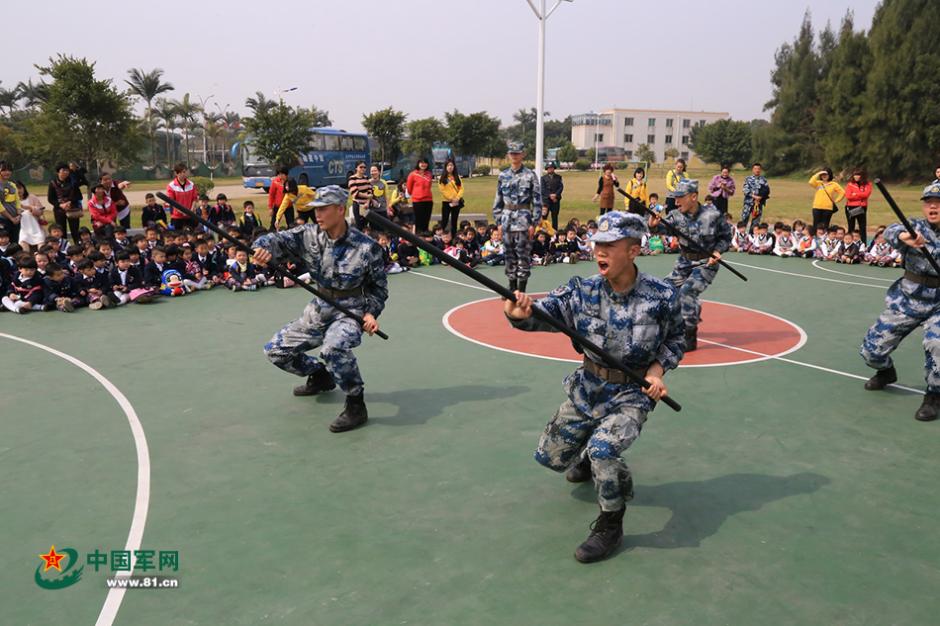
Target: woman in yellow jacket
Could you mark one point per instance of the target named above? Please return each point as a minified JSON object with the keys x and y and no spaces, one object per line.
{"x":828,"y":193}
{"x":452,"y":192}
{"x":301,"y":196}
{"x":636,"y":188}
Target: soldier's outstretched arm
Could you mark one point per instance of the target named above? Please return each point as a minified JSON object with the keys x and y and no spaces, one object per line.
{"x":556,"y":304}
{"x":283,"y":244}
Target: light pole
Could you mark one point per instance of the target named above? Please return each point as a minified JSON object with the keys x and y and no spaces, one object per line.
{"x":205,"y":143}
{"x":280,"y":92}
{"x":542,"y":15}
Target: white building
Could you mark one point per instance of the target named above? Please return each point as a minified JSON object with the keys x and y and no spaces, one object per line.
{"x":618,"y":133}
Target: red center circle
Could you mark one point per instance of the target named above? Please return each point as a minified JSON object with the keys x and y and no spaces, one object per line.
{"x":728,"y":334}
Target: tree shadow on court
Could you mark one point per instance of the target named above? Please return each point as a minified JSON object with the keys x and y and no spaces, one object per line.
{"x":417,"y":406}
{"x":700,"y":508}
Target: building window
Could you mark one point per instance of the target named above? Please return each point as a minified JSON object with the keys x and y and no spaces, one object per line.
{"x":669,"y":123}
{"x":651,"y":139}
{"x":685,"y":140}
{"x":598,"y":137}
{"x":628,"y":155}
{"x":628,"y":121}
{"x":628,"y":138}
{"x":701,"y":122}
{"x":685,"y":154}
{"x":668,"y":140}
{"x":651,"y":122}
{"x":686,"y":123}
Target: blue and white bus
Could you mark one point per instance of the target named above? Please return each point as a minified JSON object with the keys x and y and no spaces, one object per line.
{"x":330,"y":159}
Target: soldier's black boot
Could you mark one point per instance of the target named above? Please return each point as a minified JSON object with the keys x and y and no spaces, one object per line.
{"x":606,"y":535}
{"x":881,"y":379}
{"x":928,"y":409}
{"x":318,"y":382}
{"x":513,"y":285}
{"x":522,"y":284}
{"x":580,"y":472}
{"x":691,"y":338}
{"x":354,"y":415}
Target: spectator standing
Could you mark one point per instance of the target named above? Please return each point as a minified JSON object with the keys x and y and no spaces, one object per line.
{"x":856,"y":203}
{"x":636,"y":188}
{"x":419,"y":189}
{"x":605,"y":189}
{"x":721,"y":188}
{"x":360,"y":193}
{"x":276,"y":199}
{"x":384,"y":193}
{"x":828,"y":193}
{"x":103,"y":213}
{"x":673,"y":178}
{"x":115,"y":190}
{"x":66,"y":201}
{"x":9,"y":199}
{"x":552,"y":188}
{"x":451,"y":197}
{"x":31,"y":209}
{"x":183,"y":191}
{"x":756,"y":192}
{"x":78,"y":175}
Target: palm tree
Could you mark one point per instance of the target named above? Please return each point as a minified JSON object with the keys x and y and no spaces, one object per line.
{"x":147,"y":86}
{"x":165,"y":113}
{"x":259,"y":104}
{"x":212,"y":129}
{"x":8,"y":99}
{"x":33,"y":95}
{"x":188,"y":112}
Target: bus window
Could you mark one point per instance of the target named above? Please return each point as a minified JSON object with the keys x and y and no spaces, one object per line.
{"x":316,"y":142}
{"x":331,"y":143}
{"x":360,"y":144}
{"x":346,"y":144}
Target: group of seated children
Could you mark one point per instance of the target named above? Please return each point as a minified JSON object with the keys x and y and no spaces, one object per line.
{"x":828,"y":244}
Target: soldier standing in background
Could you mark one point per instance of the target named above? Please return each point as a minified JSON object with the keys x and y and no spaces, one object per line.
{"x":552,"y":186}
{"x":518,"y":195}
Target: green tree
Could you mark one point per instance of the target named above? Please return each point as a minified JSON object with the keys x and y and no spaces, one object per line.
{"x":387,"y":128}
{"x":8,"y":100}
{"x":33,"y":95}
{"x":724,"y":141}
{"x":147,"y":86}
{"x":319,"y":118}
{"x":280,"y":133}
{"x":568,"y":153}
{"x":645,"y":153}
{"x":164,"y":111}
{"x":188,"y":113}
{"x":471,"y":134}
{"x":82,"y":114}
{"x":901,"y":117}
{"x":422,"y":134}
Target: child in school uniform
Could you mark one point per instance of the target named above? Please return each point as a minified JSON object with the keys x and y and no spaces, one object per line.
{"x":243,"y":274}
{"x":59,"y":290}
{"x":881,"y":253}
{"x":785,"y":246}
{"x":249,"y":221}
{"x":127,"y":284}
{"x":760,"y":242}
{"x":740,"y":240}
{"x":26,"y":291}
{"x":850,"y":253}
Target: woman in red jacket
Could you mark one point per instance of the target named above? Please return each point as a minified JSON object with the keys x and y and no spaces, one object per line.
{"x":103,"y":213}
{"x":419,"y":188}
{"x":856,"y":202}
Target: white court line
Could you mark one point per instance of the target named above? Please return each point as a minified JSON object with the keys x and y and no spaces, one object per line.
{"x":447,"y":280}
{"x":828,"y":280}
{"x":820,"y":267}
{"x":760,"y":354}
{"x":142,"y":501}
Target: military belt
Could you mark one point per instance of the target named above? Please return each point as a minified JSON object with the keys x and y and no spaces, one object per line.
{"x":617,"y":377}
{"x":922,"y":279}
{"x":516,"y":207}
{"x":336,"y":294}
{"x":696,"y":256}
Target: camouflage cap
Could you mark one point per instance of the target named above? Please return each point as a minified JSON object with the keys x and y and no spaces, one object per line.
{"x":684,"y":188}
{"x":515,"y":147}
{"x":931,"y":191}
{"x":331,"y":194}
{"x":617,"y":225}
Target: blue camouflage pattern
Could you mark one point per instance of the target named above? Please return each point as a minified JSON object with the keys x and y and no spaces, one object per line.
{"x":518,"y":254}
{"x":523,"y":189}
{"x":352,"y":261}
{"x":708,"y":228}
{"x":750,"y":214}
{"x":638,"y":327}
{"x":907,"y":306}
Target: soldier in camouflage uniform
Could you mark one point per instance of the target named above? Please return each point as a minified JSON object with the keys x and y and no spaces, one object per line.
{"x":635,"y":317}
{"x":516,"y":210}
{"x":913,"y":300}
{"x":693,"y":272}
{"x":347,"y":266}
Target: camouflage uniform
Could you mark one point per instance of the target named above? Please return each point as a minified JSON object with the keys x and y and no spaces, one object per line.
{"x":351,"y":262}
{"x":907,"y":306}
{"x":709,"y":229}
{"x":517,"y":207}
{"x":638,"y":327}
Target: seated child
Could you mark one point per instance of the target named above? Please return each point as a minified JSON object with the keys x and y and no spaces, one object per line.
{"x":739,"y":238}
{"x":850,"y":252}
{"x":785,"y":246}
{"x":243,"y":275}
{"x":26,"y":291}
{"x":760,"y":242}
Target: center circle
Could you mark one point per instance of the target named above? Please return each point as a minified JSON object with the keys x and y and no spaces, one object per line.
{"x":727,"y":335}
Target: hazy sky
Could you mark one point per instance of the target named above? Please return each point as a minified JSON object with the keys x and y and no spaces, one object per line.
{"x":425,"y":57}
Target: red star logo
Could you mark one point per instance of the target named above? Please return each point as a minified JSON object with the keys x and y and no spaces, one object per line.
{"x":52,"y":559}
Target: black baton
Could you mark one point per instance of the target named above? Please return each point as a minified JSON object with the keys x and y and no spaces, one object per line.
{"x":610,"y":360}
{"x":910,"y":229}
{"x":675,"y":232}
{"x":278,"y":267}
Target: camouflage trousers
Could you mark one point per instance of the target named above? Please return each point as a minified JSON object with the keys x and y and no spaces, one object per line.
{"x":907,"y":306}
{"x":691,"y":281}
{"x":518,"y":254}
{"x":321,"y":326}
{"x":751,"y":216}
{"x":604,"y":439}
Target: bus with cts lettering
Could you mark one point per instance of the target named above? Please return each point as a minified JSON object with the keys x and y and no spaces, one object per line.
{"x":329,"y":160}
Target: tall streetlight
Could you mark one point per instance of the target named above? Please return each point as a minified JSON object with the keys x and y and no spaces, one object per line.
{"x":542,"y":15}
{"x":205,"y":143}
